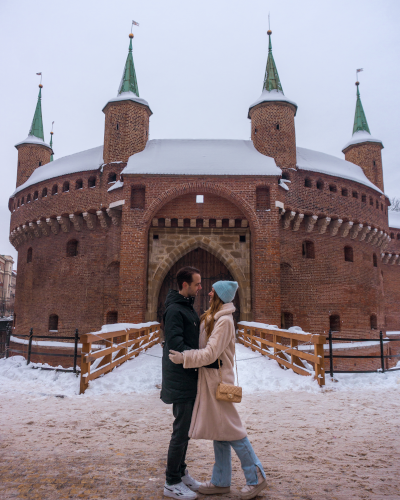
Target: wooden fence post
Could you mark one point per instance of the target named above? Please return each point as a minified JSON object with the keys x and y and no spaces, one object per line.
{"x":320,"y":367}
{"x":85,"y":365}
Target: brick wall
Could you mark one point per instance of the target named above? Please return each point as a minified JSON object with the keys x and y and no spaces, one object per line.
{"x":126,"y":130}
{"x":29,"y":157}
{"x":273,"y":132}
{"x":368,"y":156}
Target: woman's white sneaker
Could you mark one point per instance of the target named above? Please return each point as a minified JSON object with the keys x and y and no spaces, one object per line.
{"x":179,"y":491}
{"x":190,"y":482}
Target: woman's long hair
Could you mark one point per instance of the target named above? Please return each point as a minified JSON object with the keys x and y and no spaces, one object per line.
{"x":209,"y":316}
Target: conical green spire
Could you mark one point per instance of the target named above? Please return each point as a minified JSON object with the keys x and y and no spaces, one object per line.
{"x":129,"y":82}
{"x":37,"y":123}
{"x":360,"y":121}
{"x":51,"y":145}
{"x":271,"y":79}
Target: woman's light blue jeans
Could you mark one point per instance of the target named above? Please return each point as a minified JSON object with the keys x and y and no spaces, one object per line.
{"x":222,"y":471}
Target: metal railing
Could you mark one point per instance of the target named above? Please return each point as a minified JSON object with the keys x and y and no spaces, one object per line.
{"x":47,"y":353}
{"x":381,"y":356}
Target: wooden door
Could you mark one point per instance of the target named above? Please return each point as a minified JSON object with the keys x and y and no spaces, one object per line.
{"x":211,"y":270}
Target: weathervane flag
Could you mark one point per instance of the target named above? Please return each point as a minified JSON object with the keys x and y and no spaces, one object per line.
{"x":135,"y":23}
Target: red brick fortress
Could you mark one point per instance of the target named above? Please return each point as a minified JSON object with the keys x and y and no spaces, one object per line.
{"x":305,"y":234}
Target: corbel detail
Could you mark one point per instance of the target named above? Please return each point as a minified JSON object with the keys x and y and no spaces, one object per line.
{"x":287,"y":218}
{"x":386,"y":257}
{"x":345,"y":228}
{"x":90,"y":220}
{"x":53,"y":224}
{"x":77,"y":221}
{"x":310,"y":222}
{"x":64,"y":223}
{"x":297,"y":221}
{"x":371,"y":235}
{"x":103,"y":218}
{"x":35,"y":229}
{"x":115,"y":216}
{"x":392,"y":261}
{"x":27,"y":230}
{"x":334,"y":226}
{"x":323,"y":224}
{"x":355,"y":230}
{"x":364,"y":231}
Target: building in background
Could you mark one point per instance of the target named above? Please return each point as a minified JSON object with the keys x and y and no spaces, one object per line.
{"x":7,"y":286}
{"x":308,"y":236}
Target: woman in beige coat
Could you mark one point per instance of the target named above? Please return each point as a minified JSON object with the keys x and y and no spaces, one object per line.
{"x":214,"y":419}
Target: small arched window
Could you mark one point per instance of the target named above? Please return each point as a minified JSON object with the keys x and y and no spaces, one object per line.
{"x":345,"y":192}
{"x":72,"y":248}
{"x":262,"y":198}
{"x":377,"y":204}
{"x":286,"y":320}
{"x":23,"y":201}
{"x":320,"y":185}
{"x":364,"y":198}
{"x":334,"y":323}
{"x":355,"y":194}
{"x":40,"y":164}
{"x":112,"y":177}
{"x":286,"y":176}
{"x":54,"y":189}
{"x":375,"y":260}
{"x":371,"y":201}
{"x":348,"y":254}
{"x":79,"y":184}
{"x":398,"y":236}
{"x":29,"y":255}
{"x":66,"y":187}
{"x":117,"y":126}
{"x":285,"y":266}
{"x":112,"y":317}
{"x":332,"y":188}
{"x":277,"y":126}
{"x":307,"y":182}
{"x":28,"y":198}
{"x":92,"y":181}
{"x":53,"y":323}
{"x":44,"y":193}
{"x":373,"y":322}
{"x":308,"y":250}
{"x":36,"y":195}
{"x":18,"y":203}
{"x":392,"y":236}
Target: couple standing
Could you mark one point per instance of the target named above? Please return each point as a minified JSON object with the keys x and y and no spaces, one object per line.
{"x":191,"y":351}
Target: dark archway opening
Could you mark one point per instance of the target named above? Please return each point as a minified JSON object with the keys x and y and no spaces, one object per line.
{"x":212,"y":270}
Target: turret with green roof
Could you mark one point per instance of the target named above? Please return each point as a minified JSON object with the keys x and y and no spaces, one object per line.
{"x":33,"y":152}
{"x":363,"y":149}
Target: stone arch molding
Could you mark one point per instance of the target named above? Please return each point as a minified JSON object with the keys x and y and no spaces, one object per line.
{"x":156,"y":279}
{"x":202,"y":187}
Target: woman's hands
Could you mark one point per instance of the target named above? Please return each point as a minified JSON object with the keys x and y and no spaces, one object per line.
{"x":176,"y":357}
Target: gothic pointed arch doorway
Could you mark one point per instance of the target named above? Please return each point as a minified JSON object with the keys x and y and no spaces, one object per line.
{"x":212,"y":270}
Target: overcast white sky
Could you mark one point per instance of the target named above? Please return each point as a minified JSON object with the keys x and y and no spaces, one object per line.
{"x":199,"y":64}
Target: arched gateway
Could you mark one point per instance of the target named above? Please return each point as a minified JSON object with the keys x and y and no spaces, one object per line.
{"x":212,"y":270}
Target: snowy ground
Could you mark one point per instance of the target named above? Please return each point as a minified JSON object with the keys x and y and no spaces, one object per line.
{"x":341,"y":442}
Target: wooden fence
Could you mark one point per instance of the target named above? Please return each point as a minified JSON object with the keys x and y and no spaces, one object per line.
{"x":123,"y":345}
{"x":286,"y":354}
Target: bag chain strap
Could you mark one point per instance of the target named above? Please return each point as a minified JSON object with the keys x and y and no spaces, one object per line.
{"x":219,"y":369}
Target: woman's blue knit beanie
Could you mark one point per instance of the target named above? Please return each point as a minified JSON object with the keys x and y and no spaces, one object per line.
{"x":226,"y":290}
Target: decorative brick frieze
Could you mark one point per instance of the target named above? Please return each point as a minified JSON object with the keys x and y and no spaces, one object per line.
{"x":77,"y":221}
{"x":53,"y":224}
{"x":44,"y":227}
{"x":90,"y":220}
{"x":64,"y":223}
{"x":36,"y":230}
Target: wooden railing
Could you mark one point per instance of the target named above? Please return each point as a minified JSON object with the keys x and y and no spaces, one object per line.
{"x":119,"y":346}
{"x":289,"y":356}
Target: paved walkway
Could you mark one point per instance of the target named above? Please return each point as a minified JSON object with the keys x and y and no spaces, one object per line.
{"x":334,"y":446}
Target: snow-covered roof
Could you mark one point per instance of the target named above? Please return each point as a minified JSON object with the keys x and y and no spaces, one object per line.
{"x":272,"y":96}
{"x":394,"y":219}
{"x":32,"y":139}
{"x":307,"y":159}
{"x":91,"y":159}
{"x":129,"y":96}
{"x":201,"y":157}
{"x":361,"y":136}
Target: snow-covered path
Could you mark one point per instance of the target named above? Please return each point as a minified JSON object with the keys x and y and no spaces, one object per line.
{"x":340,"y":443}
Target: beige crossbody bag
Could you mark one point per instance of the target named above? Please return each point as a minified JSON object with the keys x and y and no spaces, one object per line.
{"x":228,"y":392}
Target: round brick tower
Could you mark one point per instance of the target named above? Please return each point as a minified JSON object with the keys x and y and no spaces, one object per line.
{"x":363,"y":149}
{"x":272,"y":119}
{"x":126,"y":130}
{"x":33,"y":152}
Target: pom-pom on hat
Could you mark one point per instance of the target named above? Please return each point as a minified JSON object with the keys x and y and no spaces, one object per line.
{"x":226,"y":290}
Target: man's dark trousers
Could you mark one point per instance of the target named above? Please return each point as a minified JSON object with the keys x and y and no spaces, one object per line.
{"x":176,"y":465}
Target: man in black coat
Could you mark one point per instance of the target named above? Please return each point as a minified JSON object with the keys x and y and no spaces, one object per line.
{"x":179,"y":385}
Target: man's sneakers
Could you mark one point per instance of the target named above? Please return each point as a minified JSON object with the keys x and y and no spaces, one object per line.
{"x":249,"y":492}
{"x":190,"y":482}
